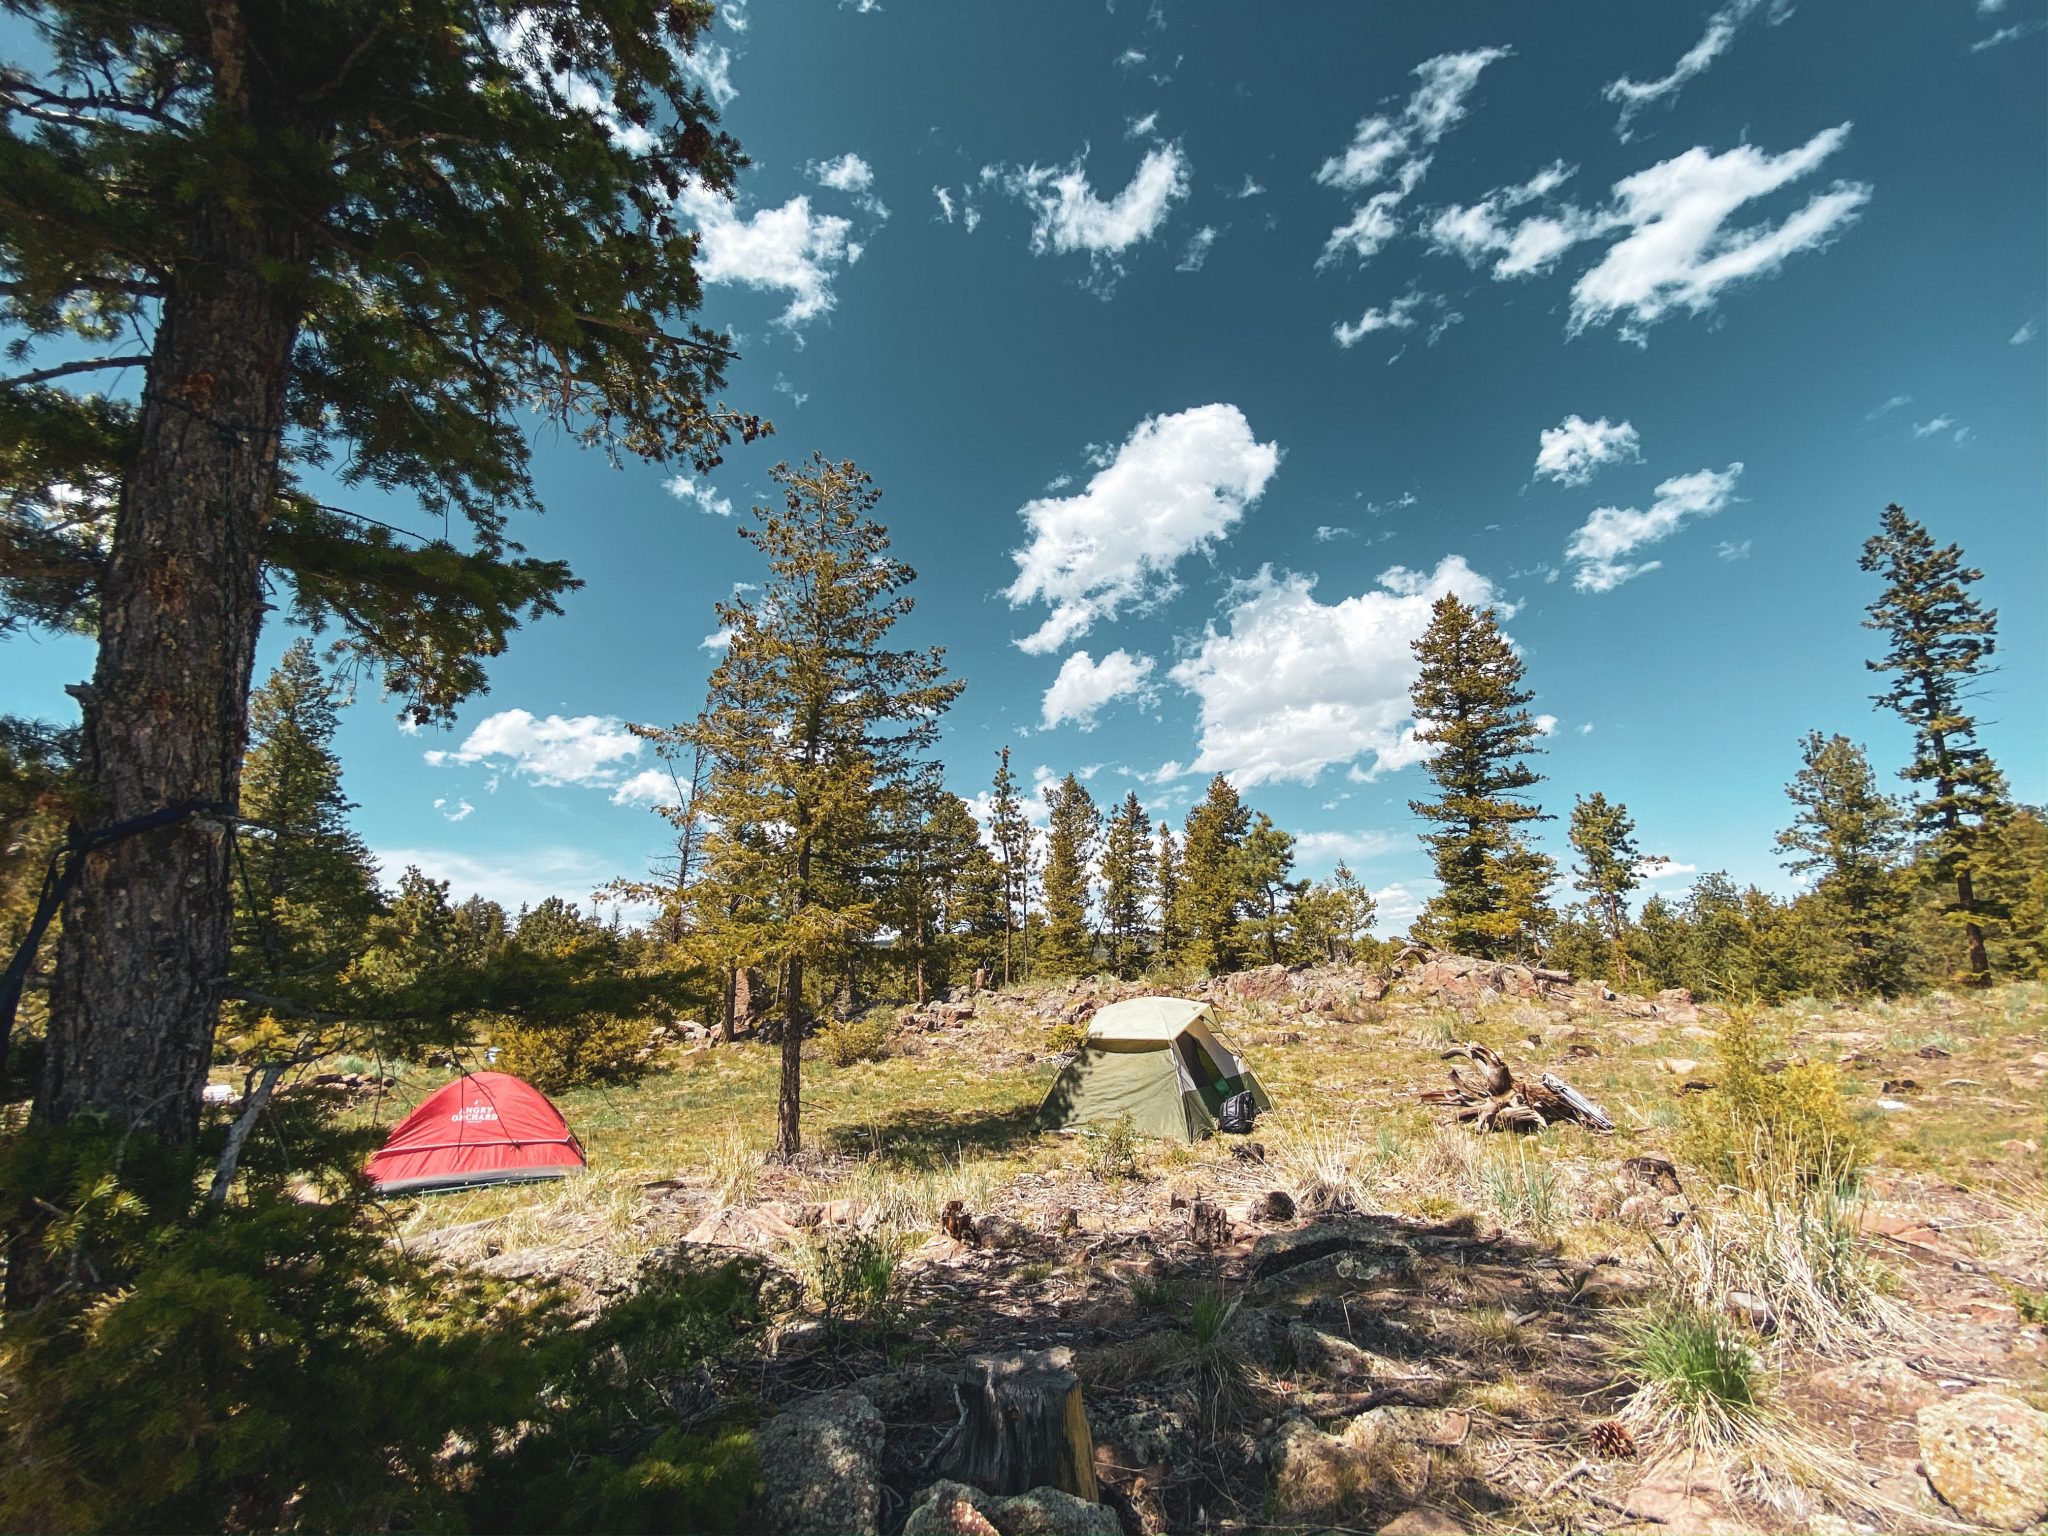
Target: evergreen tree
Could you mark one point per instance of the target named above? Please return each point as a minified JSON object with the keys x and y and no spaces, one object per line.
{"x":1848,"y":834}
{"x":1211,"y":880}
{"x":1127,"y":886}
{"x":306,"y":886}
{"x":1265,"y":861}
{"x":927,"y":890}
{"x":388,"y":240}
{"x":1010,"y":831}
{"x":1609,"y":866}
{"x":1167,"y":905}
{"x":811,"y":722}
{"x":1068,"y":948}
{"x":1468,"y":700}
{"x":1939,"y":639}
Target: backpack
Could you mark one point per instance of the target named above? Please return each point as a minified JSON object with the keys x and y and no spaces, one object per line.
{"x":1237,"y":1114}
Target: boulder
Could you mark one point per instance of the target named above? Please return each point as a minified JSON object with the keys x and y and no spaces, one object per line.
{"x":955,"y":1509}
{"x":1881,"y":1384}
{"x":1987,"y":1455}
{"x":821,"y":1467}
{"x":1273,"y":1205}
{"x":1325,"y":1354}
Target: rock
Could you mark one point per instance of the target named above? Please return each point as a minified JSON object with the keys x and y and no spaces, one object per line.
{"x":1000,"y":1232}
{"x":1259,"y":1336}
{"x":1325,"y":1354}
{"x":1147,"y":1436}
{"x":1422,"y":1521}
{"x":954,"y":1509}
{"x":1879,"y":1383}
{"x":1273,"y":1205}
{"x":1750,"y":1308}
{"x":1676,"y":997}
{"x":821,"y":1467}
{"x":1657,"y":1172}
{"x":1682,"y":1494}
{"x":1679,"y":1066}
{"x":1265,"y":984}
{"x":1987,"y":1456}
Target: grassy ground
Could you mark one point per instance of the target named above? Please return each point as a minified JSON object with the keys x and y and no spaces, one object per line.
{"x":1489,"y":1297}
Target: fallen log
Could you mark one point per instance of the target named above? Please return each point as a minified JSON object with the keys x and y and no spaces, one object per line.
{"x":1499,"y":1103}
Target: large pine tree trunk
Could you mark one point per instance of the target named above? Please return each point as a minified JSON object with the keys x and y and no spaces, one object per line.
{"x":144,"y":952}
{"x":789,"y":1104}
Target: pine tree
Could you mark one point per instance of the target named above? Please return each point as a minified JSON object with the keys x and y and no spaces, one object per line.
{"x":306,"y":884}
{"x":1468,"y":700}
{"x":1127,"y":886}
{"x":1010,"y":831}
{"x":1167,"y":905}
{"x":1211,"y":880}
{"x":1609,"y":867}
{"x":1068,"y":948}
{"x":393,"y":241}
{"x":812,"y":721}
{"x":927,"y":896}
{"x":1265,"y":861}
{"x":1939,"y":638}
{"x":1849,"y":834}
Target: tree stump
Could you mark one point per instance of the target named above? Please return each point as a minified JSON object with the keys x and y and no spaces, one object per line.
{"x":957,"y":1224}
{"x":1208,"y":1225}
{"x":1021,"y":1427}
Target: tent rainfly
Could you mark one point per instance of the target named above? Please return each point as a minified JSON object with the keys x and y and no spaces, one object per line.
{"x":483,"y":1128}
{"x":1160,"y":1060}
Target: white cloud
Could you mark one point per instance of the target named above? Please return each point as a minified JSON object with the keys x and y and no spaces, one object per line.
{"x":1198,"y":249}
{"x":2005,"y":35}
{"x":1141,"y":127}
{"x":1084,"y":686}
{"x":1889,"y":406}
{"x":1729,"y":549}
{"x":1178,"y":484}
{"x":1292,"y":686}
{"x":1130,"y":58}
{"x":797,"y":397}
{"x":1664,"y":869}
{"x":524,"y":878}
{"x":1321,"y":850}
{"x":789,"y":248}
{"x":688,"y":488}
{"x":1586,"y":729}
{"x":650,"y":786}
{"x":1990,"y":7}
{"x":1572,"y":452}
{"x":1679,"y":252}
{"x":1397,"y":316}
{"x":1326,"y":534}
{"x":717,"y":640}
{"x":581,"y":749}
{"x":1546,"y":725}
{"x":1395,"y":907}
{"x":1250,"y":188}
{"x":708,"y":65}
{"x":1069,"y":216}
{"x":734,"y":15}
{"x":1602,"y":543}
{"x":1933,"y":428}
{"x":945,"y":198}
{"x":1532,"y":246}
{"x":1384,"y":148}
{"x":2024,"y":334}
{"x":1634,"y":95}
{"x":852,"y":175}
{"x":462,"y":810}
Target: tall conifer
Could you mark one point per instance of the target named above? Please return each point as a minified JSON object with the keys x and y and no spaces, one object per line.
{"x":1603,"y":835}
{"x":1068,"y":948}
{"x":1127,"y":885}
{"x":1940,"y":637}
{"x":1167,"y":904}
{"x":1010,"y":832}
{"x":1211,"y":879}
{"x":1469,"y":702}
{"x":1848,"y":834}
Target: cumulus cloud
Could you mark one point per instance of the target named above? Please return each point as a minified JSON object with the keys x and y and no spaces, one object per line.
{"x":1602,"y":545}
{"x":1679,"y":251}
{"x":1084,"y":686}
{"x":1178,"y":484}
{"x":650,"y":786}
{"x":790,"y":249}
{"x":579,"y":749}
{"x":708,"y":66}
{"x":1633,"y":95}
{"x":707,"y":500}
{"x":1573,"y":451}
{"x":1069,"y":216}
{"x":1396,"y":907}
{"x":852,"y":175}
{"x":522,"y":878}
{"x":1290,"y":686}
{"x":1391,"y":148}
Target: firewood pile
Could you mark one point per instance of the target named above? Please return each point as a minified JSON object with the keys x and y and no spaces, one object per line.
{"x":1498,"y":1102}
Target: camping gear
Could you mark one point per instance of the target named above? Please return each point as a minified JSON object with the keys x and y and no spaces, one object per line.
{"x":1238,"y":1114}
{"x":483,"y":1128}
{"x":1160,"y":1060}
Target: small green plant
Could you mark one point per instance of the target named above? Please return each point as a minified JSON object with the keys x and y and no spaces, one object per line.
{"x":1767,"y":1118}
{"x":1700,"y":1382}
{"x":1151,"y":1294}
{"x":851,"y":1274}
{"x":1113,"y":1151}
{"x":1520,"y":1189}
{"x":2031,"y":1304}
{"x":845,"y":1042}
{"x":1065,"y":1036}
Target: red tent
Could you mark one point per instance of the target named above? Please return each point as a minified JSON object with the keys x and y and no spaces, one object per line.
{"x":483,"y":1128}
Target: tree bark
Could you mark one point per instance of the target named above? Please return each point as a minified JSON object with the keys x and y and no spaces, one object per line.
{"x":1022,"y":1427}
{"x":135,"y":995}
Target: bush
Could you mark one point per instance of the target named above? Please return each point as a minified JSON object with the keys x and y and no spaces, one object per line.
{"x":846,"y":1041}
{"x":1065,"y":1036}
{"x":1759,"y":1126}
{"x":1700,"y":1381}
{"x":1113,"y":1151}
{"x":597,"y":1048}
{"x":851,"y":1274}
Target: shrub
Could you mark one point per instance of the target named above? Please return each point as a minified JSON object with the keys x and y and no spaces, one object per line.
{"x":1699,"y":1380}
{"x":846,"y":1041}
{"x":1760,"y":1125}
{"x":1067,"y":1035}
{"x":596,"y":1048}
{"x":1113,"y":1152}
{"x":850,"y":1274}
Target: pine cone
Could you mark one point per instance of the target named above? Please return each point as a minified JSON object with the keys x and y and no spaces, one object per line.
{"x":1612,"y":1440}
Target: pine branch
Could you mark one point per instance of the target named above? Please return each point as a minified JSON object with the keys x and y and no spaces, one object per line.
{"x":82,"y":365}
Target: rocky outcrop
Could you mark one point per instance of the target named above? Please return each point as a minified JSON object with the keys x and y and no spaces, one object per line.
{"x":821,"y":1467}
{"x":1987,"y":1456}
{"x":955,"y":1509}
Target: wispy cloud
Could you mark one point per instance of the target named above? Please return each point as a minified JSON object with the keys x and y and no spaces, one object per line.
{"x":1069,"y":216}
{"x":1634,"y":95}
{"x":1574,"y":450}
{"x":1888,"y":407}
{"x":1933,"y":428}
{"x":2024,"y":334}
{"x":1601,"y":546}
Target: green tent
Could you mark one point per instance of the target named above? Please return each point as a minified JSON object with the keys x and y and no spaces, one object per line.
{"x":1160,"y":1060}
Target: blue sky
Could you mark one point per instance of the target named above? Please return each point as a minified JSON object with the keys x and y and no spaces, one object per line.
{"x":1194,"y":358}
